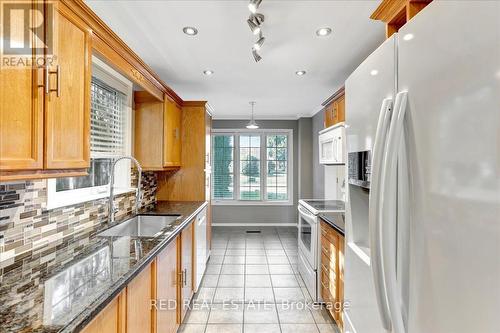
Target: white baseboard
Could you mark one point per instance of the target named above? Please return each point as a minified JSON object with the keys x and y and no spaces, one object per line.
{"x":254,"y":224}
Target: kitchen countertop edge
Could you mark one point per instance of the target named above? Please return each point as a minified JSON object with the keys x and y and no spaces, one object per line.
{"x":328,"y":220}
{"x":84,"y":318}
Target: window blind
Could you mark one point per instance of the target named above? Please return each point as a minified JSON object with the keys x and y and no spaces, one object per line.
{"x":107,"y":120}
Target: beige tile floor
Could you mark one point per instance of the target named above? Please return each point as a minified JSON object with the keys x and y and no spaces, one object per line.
{"x":252,"y":285}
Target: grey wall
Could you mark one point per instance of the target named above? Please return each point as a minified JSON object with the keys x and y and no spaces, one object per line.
{"x":318,"y":170}
{"x":261,"y":214}
{"x":305,"y":189}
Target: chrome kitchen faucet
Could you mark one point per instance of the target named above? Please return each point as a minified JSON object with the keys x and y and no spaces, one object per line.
{"x":138,"y":198}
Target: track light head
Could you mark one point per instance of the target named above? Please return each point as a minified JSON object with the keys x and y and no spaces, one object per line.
{"x":254,"y":22}
{"x":254,"y":5}
{"x":258,"y":44}
{"x":258,"y":18}
{"x":254,"y":27}
{"x":256,"y":56}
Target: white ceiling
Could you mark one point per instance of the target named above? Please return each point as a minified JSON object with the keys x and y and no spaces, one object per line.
{"x":153,"y":29}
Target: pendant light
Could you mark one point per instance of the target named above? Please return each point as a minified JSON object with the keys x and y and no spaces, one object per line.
{"x":252,"y":124}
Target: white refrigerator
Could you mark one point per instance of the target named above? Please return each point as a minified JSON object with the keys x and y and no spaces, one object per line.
{"x":423,"y":243}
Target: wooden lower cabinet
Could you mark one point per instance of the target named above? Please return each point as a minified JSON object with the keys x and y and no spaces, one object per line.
{"x":139,"y":309}
{"x":111,"y":319}
{"x":186,"y":269}
{"x":332,"y":271}
{"x":166,"y":289}
{"x":153,"y":301}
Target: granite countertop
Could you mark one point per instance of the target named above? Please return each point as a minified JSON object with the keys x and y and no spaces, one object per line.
{"x":61,"y":290}
{"x":335,"y":220}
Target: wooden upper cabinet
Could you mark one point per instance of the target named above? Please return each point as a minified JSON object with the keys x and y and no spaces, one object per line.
{"x":21,"y":107}
{"x":341,"y":109}
{"x":45,"y":111}
{"x":67,"y":105}
{"x":148,"y":131}
{"x":395,"y":13}
{"x":172,"y":134}
{"x":328,"y":115}
{"x":335,"y":109}
{"x":157,"y":132}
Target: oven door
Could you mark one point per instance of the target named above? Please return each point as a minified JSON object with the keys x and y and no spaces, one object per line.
{"x":308,"y":236}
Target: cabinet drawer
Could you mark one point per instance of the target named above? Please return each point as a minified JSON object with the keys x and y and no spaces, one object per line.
{"x":326,"y":295}
{"x":330,"y":262}
{"x":329,"y":248}
{"x":328,"y":231}
{"x":329,"y":280}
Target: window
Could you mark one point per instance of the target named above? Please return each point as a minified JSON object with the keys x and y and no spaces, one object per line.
{"x":223,"y":152}
{"x":110,"y":137}
{"x":252,"y":167}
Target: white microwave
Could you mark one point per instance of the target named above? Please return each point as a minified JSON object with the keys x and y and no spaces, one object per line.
{"x":332,"y":145}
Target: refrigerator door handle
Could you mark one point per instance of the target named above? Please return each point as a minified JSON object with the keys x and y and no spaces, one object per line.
{"x":388,"y":212}
{"x":374,"y":207}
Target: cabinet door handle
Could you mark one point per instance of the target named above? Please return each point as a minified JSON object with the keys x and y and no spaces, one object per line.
{"x":58,"y":73}
{"x":184,"y":277}
{"x":48,"y":90}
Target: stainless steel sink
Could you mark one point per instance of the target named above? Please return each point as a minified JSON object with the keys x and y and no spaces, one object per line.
{"x":141,"y":226}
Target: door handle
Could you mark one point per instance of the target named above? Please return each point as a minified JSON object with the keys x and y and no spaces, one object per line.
{"x":184,"y":277}
{"x":374,"y":206}
{"x":180,"y":279}
{"x":388,"y":212}
{"x":57,"y":72}
{"x":303,"y":212}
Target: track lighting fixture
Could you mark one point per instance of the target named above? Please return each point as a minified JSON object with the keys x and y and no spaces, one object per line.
{"x":256,"y":56}
{"x":254,"y":5}
{"x":255,"y":22}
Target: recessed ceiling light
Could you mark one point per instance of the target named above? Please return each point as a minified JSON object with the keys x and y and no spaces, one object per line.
{"x":322,"y":32}
{"x":190,"y":31}
{"x":408,"y":37}
{"x":208,"y":72}
{"x":300,"y":73}
{"x":373,"y":72}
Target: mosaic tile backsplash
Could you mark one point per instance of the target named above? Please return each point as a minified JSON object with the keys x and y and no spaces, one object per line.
{"x":26,"y":225}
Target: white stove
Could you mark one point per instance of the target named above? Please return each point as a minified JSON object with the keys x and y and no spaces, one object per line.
{"x":318,"y":206}
{"x":309,"y":239}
